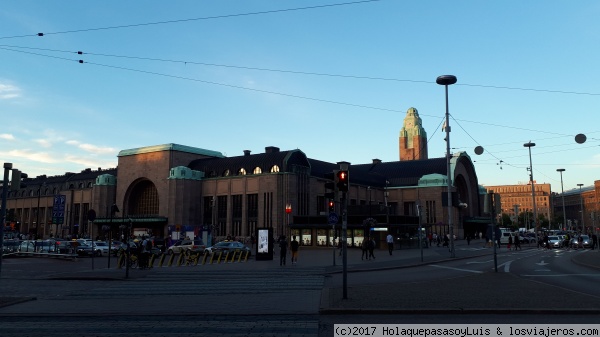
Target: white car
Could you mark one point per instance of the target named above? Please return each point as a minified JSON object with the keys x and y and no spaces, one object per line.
{"x":101,"y":247}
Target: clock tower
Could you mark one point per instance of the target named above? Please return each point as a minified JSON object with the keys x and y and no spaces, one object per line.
{"x":413,"y":138}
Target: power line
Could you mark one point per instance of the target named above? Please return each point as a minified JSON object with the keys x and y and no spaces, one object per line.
{"x":192,"y":19}
{"x":267,"y":91}
{"x":297,"y":72}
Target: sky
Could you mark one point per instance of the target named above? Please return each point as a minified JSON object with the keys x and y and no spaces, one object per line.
{"x":331,"y":78}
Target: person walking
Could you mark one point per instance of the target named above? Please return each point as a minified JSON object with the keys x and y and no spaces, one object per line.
{"x":294,"y":245}
{"x":517,"y":242}
{"x":365,"y":249}
{"x":390,"y":242}
{"x":371,"y":246}
{"x":510,"y":241}
{"x":283,"y":247}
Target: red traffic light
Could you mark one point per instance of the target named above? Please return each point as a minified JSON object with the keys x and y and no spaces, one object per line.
{"x":331,"y":206}
{"x":342,"y":181}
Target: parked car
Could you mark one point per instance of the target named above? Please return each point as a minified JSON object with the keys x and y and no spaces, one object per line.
{"x":158,"y":243}
{"x":183,"y":245}
{"x":10,"y":246}
{"x":95,"y":248}
{"x":45,"y":246}
{"x":27,"y":246}
{"x":102,"y":247}
{"x":227,"y":246}
{"x":65,"y":246}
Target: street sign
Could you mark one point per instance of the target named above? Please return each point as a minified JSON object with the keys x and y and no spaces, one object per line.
{"x":91,"y":215}
{"x":333,"y":218}
{"x":58,"y":209}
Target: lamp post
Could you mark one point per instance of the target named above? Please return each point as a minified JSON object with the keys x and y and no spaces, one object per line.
{"x":37,"y":216}
{"x":562,"y":191}
{"x":535,"y":222}
{"x":581,"y":207}
{"x":288,"y":210}
{"x":447,"y":80}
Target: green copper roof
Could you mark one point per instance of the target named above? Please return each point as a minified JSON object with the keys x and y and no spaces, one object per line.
{"x":170,"y":147}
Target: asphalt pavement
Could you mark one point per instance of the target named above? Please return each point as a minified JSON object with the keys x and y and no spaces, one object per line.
{"x":479,"y":292}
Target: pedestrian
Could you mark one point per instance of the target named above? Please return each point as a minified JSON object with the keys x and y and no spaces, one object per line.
{"x":446,"y":241}
{"x":510,"y":241}
{"x":594,"y":241}
{"x":371,"y":246}
{"x":144,"y":256}
{"x":365,"y":249}
{"x":436,"y":239}
{"x":468,"y":239}
{"x":517,"y":242}
{"x":283,"y":247}
{"x":294,"y":245}
{"x":390,"y":242}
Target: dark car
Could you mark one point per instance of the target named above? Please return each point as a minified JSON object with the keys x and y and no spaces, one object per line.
{"x":65,"y":246}
{"x":228,"y":246}
{"x":158,"y":243}
{"x":10,"y":246}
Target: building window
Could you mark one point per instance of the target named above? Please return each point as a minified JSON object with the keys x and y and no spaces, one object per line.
{"x":226,"y":173}
{"x":90,"y":184}
{"x":274,"y":169}
{"x":257,"y":170}
{"x":144,"y":199}
{"x":242,"y":172}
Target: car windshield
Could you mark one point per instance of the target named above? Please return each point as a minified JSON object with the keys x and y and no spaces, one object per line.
{"x":555,"y":238}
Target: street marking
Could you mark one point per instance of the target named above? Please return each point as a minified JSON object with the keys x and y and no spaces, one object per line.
{"x":506,"y":266}
{"x":542,"y":263}
{"x":488,"y":261}
{"x":459,"y":269}
{"x":561,"y":275}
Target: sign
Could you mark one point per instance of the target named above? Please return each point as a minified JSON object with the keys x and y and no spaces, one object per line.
{"x":91,"y":215}
{"x":333,"y":218}
{"x":58,"y":209}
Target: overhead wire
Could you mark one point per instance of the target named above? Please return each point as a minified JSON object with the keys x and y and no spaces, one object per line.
{"x":276,"y":93}
{"x":192,"y":19}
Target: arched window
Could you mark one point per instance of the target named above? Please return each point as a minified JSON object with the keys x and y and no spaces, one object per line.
{"x":257,"y":170}
{"x":144,"y":199}
{"x":212,"y":174}
{"x":226,"y":173}
{"x":274,"y":169}
{"x":242,"y":172}
{"x":81,"y":185}
{"x":90,"y":184}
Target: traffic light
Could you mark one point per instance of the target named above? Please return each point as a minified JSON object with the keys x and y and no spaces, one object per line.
{"x":16,"y":182}
{"x":342,"y":180}
{"x":331,"y":185}
{"x":331,"y":206}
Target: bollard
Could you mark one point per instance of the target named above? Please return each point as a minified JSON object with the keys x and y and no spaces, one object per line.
{"x":233,"y":255}
{"x":204,"y":258}
{"x":120,"y":261}
{"x":162,"y":260}
{"x":180,"y":260}
{"x":171,"y":258}
{"x":212,"y":257}
{"x":219,"y":258}
{"x":246,"y":257}
{"x":151,"y":262}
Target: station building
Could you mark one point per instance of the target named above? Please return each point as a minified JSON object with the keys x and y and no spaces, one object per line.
{"x":177,"y":190}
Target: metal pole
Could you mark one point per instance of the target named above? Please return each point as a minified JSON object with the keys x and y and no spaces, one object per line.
{"x":581,"y":207}
{"x":447,"y":80}
{"x":344,"y":244}
{"x":562,"y":191}
{"x":7,"y":168}
{"x":493,"y":219}
{"x":535,"y":219}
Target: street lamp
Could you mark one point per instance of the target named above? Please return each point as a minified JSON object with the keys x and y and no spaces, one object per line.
{"x":581,"y":207}
{"x":561,"y":170}
{"x":37,"y":217}
{"x":535,"y":222}
{"x":447,"y":80}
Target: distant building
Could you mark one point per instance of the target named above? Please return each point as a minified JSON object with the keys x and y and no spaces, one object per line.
{"x":576,"y":199}
{"x":517,"y":202}
{"x":182,"y":191}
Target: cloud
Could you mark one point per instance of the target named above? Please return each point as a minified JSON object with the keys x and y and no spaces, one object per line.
{"x":7,"y":136}
{"x":44,"y":142}
{"x":91,"y":148}
{"x":8,"y":91}
{"x":42,"y":157}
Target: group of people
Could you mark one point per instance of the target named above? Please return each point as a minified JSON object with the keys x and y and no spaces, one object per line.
{"x":283,"y":249}
{"x":368,"y":248}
